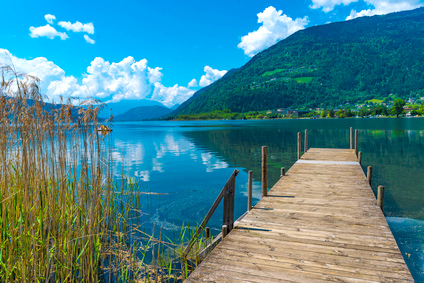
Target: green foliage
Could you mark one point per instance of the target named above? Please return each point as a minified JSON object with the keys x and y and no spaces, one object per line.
{"x":364,"y":112}
{"x":397,"y":107}
{"x":367,"y":58}
{"x":380,"y":110}
{"x":227,"y":114}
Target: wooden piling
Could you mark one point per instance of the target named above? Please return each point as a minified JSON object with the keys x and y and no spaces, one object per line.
{"x":283,"y":172}
{"x":224,"y":230}
{"x":228,"y":217}
{"x":306,"y":141}
{"x":351,"y":138}
{"x":225,"y":193}
{"x":249,"y":190}
{"x":360,"y":157}
{"x":369,"y":175}
{"x":356,"y":142}
{"x":207,"y":233}
{"x":264,"y":171}
{"x":380,"y":197}
{"x":298,"y":145}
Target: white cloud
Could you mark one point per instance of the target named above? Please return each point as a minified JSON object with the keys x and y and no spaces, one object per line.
{"x":154,"y":75}
{"x":46,"y":31}
{"x":328,"y":5}
{"x":88,"y":39}
{"x":210,"y":76}
{"x":275,"y":27}
{"x":385,"y":7}
{"x":78,"y":27}
{"x":110,"y":82}
{"x":171,"y":95}
{"x":193,"y":83}
{"x":40,"y":67}
{"x":50,"y":18}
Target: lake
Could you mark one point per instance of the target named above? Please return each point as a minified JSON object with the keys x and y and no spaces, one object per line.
{"x":184,"y":165}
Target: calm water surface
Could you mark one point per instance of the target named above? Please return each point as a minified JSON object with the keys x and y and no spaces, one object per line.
{"x":187,"y":164}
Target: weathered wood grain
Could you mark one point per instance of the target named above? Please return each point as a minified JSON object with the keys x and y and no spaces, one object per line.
{"x":319,"y":223}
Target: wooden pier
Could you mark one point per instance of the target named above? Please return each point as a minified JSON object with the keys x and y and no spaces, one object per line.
{"x":319,"y":223}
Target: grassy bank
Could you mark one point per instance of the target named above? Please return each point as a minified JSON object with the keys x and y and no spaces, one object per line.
{"x":62,"y":216}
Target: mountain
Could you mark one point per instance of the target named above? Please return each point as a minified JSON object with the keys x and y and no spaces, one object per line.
{"x":324,"y":66}
{"x":143,"y":113}
{"x":124,"y":105}
{"x":175,"y":106}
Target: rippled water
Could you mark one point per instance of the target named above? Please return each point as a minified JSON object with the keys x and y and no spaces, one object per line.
{"x":187,"y":164}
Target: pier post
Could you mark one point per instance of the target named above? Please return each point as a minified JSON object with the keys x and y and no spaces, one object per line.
{"x":298,"y":145}
{"x":249,"y":190}
{"x":356,"y":142}
{"x":351,"y":138}
{"x":207,"y":233}
{"x":228,"y":215}
{"x":283,"y":172}
{"x":369,"y":175}
{"x":360,"y":157}
{"x":306,"y":141}
{"x":380,"y":197}
{"x":264,"y":171}
{"x":224,"y":231}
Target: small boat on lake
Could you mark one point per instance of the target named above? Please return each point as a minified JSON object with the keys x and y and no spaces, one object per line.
{"x":104,"y":128}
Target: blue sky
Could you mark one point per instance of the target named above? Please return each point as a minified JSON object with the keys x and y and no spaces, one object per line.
{"x":162,"y":50}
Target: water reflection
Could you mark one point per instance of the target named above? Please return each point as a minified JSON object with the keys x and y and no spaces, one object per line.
{"x":189,"y":162}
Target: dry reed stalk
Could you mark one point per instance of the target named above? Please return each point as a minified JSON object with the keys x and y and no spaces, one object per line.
{"x":60,"y":218}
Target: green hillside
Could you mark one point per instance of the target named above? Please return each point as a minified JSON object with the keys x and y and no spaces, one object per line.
{"x":325,"y":66}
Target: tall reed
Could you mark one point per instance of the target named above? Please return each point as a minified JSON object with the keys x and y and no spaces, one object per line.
{"x":52,"y":173}
{"x":62,"y":216}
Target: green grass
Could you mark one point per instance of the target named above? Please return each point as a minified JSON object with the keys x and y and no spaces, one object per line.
{"x":303,"y":80}
{"x":270,"y":73}
{"x":375,"y":101}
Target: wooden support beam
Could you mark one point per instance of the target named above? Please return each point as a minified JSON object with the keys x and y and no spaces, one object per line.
{"x":264,"y":171}
{"x":298,"y":145}
{"x":369,"y":175}
{"x":228,"y":215}
{"x":230,"y":183}
{"x":356,"y":142}
{"x":249,"y":190}
{"x":351,"y":138}
{"x":224,"y":231}
{"x":283,"y":172}
{"x":360,"y":157}
{"x":306,"y":141}
{"x":380,"y":197}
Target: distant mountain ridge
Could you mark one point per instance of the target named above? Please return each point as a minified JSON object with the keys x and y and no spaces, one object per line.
{"x":143,"y":113}
{"x":324,"y":66}
{"x":123,"y":106}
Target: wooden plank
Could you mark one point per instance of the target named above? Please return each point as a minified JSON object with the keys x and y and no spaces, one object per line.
{"x":318,"y":223}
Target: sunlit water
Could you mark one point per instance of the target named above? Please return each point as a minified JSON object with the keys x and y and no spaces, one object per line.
{"x":187,"y":164}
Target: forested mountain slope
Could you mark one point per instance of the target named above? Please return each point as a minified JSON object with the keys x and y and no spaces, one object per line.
{"x":324,"y":66}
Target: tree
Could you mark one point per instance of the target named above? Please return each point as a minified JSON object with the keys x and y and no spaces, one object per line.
{"x":331,"y":113}
{"x":397,"y":107}
{"x":325,"y":113}
{"x":364,"y":112}
{"x":340,"y":114}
